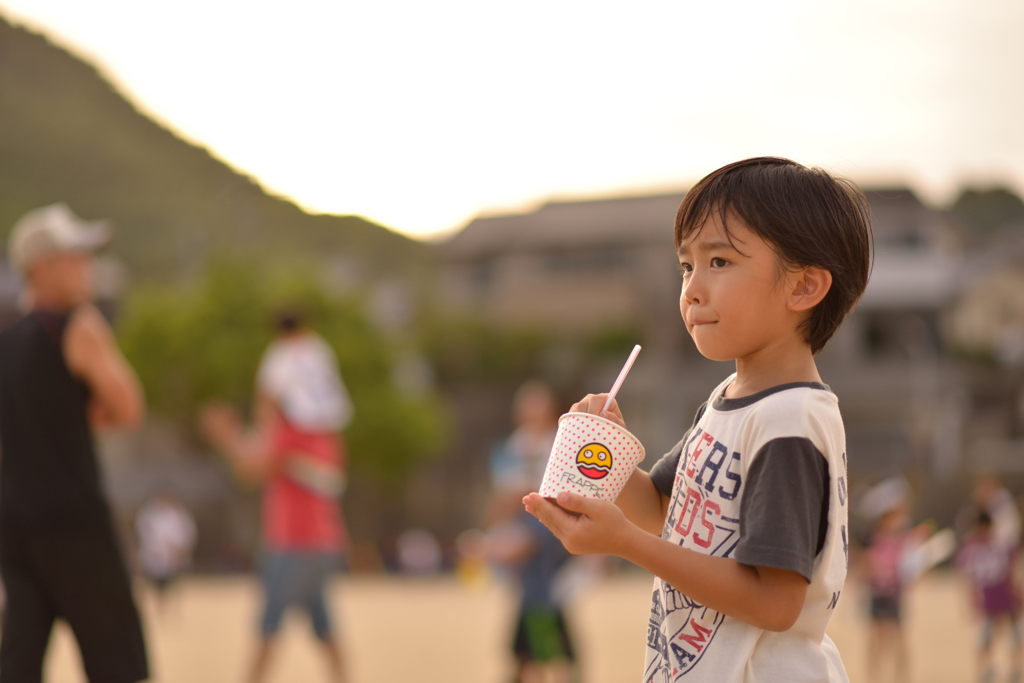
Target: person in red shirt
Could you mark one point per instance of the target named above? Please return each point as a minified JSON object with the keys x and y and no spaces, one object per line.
{"x":296,"y":452}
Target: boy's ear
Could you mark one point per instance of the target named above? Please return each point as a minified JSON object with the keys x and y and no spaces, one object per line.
{"x":808,"y":287}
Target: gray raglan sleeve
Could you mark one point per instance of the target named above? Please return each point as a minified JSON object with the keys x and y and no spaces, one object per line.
{"x":663,"y":474}
{"x":784,"y":511}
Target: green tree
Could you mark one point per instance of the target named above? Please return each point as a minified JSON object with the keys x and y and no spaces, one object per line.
{"x":204,"y":342}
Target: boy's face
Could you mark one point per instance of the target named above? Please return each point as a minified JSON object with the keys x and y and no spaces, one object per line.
{"x":733,"y":298}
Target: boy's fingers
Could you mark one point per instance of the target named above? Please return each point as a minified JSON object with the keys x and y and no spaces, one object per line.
{"x":549,"y":514}
{"x":615,"y":416}
{"x":580,"y":406}
{"x":594,"y":404}
{"x":591,"y":403}
{"x":614,"y":408}
{"x":530,"y":503}
{"x":577,"y":503}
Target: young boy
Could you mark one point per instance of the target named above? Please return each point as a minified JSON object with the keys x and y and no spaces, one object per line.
{"x":743,"y":523}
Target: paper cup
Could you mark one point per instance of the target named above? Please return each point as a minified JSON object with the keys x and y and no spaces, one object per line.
{"x":592,"y":456}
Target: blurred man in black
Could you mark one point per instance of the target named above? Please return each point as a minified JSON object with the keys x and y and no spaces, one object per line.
{"x":61,"y":378}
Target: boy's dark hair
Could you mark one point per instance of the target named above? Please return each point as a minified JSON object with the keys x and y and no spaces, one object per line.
{"x":984,"y":518}
{"x":808,"y":216}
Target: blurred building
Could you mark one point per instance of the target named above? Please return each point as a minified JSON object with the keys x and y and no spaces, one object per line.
{"x":571,"y":266}
{"x":902,"y":394}
{"x":986,"y":324}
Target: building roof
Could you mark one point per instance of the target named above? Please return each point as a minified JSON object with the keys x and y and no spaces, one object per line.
{"x":911,"y":270}
{"x":601,"y":222}
{"x":898,"y":217}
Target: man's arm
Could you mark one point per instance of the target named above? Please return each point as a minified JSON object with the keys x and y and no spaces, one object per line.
{"x":765,"y":597}
{"x":92,"y":355}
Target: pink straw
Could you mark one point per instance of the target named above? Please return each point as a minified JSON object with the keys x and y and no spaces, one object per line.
{"x":621,"y":377}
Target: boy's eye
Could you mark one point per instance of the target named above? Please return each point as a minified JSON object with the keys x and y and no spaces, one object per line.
{"x":685,"y":268}
{"x":718,"y":263}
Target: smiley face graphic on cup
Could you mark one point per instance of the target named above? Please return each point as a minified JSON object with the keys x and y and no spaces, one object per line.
{"x":593,"y":470}
{"x":594,"y":461}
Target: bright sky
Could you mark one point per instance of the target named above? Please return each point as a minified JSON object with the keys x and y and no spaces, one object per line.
{"x":421,"y":115}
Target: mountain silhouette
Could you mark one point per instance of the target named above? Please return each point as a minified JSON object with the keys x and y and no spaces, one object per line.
{"x":66,"y":134}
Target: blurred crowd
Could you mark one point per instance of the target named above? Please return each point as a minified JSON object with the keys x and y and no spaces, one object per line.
{"x":983,"y":549}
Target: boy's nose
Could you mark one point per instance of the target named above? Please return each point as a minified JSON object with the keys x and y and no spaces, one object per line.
{"x":692,"y":292}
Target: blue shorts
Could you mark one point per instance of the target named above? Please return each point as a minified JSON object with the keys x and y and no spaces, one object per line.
{"x":296,"y":578}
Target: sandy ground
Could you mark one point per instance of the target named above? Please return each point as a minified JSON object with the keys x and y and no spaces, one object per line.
{"x":443,"y":631}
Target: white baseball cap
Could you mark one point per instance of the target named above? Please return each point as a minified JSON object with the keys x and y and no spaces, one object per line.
{"x":50,"y":230}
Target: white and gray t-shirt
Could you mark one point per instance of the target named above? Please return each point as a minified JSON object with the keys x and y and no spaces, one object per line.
{"x":760,"y":479}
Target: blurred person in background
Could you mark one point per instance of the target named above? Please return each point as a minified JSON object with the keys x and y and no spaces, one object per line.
{"x":419,"y":553}
{"x":518,"y":462}
{"x":885,"y":553}
{"x":471,"y":561}
{"x":888,"y":568}
{"x":517,"y":540}
{"x":990,"y":564}
{"x":297,"y":453}
{"x":62,"y":378}
{"x":166,"y":534}
{"x":990,"y":496}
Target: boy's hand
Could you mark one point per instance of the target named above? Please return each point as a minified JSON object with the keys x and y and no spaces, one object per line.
{"x":601,"y":528}
{"x":592,"y":403}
